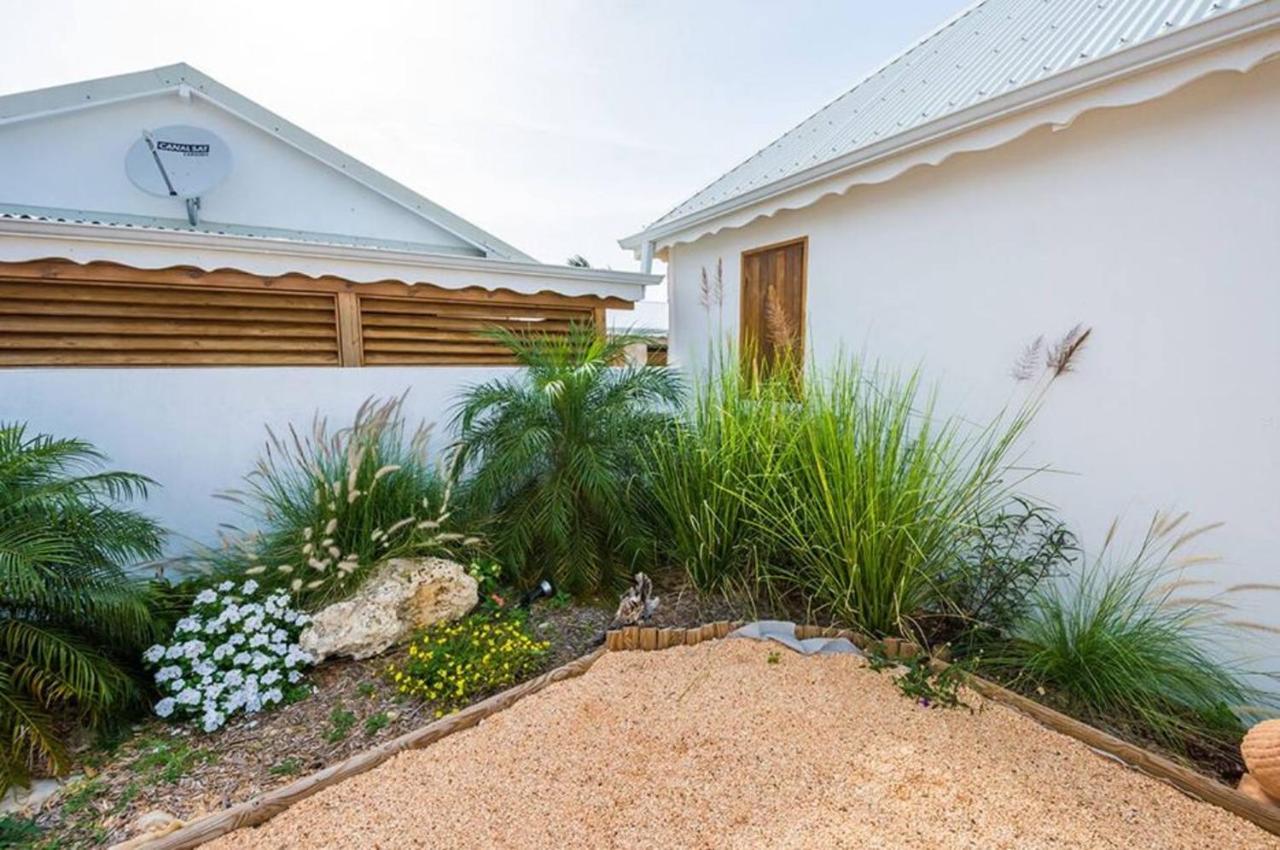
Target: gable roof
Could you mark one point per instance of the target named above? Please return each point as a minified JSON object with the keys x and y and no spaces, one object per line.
{"x":183,"y":79}
{"x":988,"y":53}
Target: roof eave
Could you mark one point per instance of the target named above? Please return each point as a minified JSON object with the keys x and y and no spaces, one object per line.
{"x":1216,"y":32}
{"x":26,"y":240}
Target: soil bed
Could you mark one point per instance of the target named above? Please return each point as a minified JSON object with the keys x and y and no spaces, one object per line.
{"x":717,"y":745}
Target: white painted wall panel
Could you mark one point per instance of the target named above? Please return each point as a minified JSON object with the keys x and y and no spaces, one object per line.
{"x":1158,"y":225}
{"x":198,"y":431}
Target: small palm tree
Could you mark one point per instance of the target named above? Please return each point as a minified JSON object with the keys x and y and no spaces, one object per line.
{"x":554,"y":451}
{"x":72,"y":621}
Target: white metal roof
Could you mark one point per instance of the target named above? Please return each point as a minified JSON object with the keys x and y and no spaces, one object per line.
{"x":182,"y":78}
{"x":991,"y":49}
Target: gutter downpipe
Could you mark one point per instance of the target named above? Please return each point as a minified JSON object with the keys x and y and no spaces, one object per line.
{"x":646,"y":257}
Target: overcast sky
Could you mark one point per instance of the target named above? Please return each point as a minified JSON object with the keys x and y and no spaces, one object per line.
{"x":558,"y":125}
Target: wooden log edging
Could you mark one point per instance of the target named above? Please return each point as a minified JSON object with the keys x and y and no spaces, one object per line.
{"x":1183,"y":778}
{"x":1144,"y":761}
{"x":271,"y":803}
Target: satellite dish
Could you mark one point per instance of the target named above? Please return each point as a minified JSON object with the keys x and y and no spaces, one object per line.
{"x":178,"y":162}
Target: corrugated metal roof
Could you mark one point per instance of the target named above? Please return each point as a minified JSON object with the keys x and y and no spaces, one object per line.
{"x":991,"y":49}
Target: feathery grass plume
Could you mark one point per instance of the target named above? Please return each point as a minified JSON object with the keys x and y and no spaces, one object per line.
{"x":553,"y":455}
{"x":1060,"y":357}
{"x":1118,"y":644}
{"x":711,"y":289}
{"x":73,"y":621}
{"x":366,"y":487}
{"x":1028,"y":362}
{"x":780,"y":330}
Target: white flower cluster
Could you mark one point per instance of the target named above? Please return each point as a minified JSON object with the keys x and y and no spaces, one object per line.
{"x":230,"y":653}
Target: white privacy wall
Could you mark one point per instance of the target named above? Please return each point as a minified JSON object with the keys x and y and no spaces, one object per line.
{"x":1157,"y":225}
{"x":197,"y":431}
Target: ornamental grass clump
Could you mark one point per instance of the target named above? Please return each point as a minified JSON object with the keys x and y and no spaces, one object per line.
{"x":72,"y":617}
{"x":236,"y":651}
{"x":1126,"y":642}
{"x":452,"y":664}
{"x":839,"y":490}
{"x":330,"y":505}
{"x":710,"y":475}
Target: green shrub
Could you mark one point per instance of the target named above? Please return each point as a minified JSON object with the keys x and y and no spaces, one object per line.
{"x":1008,"y":555}
{"x":72,"y":620}
{"x":451,"y":664}
{"x":330,"y":505}
{"x":1121,"y":645}
{"x":554,"y":451}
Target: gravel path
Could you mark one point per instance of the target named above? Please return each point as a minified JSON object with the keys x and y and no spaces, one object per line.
{"x":713,"y":746}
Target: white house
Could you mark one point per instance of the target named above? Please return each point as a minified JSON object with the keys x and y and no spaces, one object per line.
{"x":169,"y":331}
{"x":1027,"y":166}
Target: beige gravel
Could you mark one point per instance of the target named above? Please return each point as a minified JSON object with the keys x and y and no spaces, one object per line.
{"x":713,"y":746}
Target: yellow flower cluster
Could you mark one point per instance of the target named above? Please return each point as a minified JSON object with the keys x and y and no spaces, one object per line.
{"x":454,"y":663}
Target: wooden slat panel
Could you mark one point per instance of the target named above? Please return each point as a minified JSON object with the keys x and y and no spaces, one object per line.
{"x":427,"y":346}
{"x":773,"y":273}
{"x":165,"y":358}
{"x":60,"y":313}
{"x":350,"y":338}
{"x":159,"y":343}
{"x":482,"y":311}
{"x":424,"y":332}
{"x":397,"y":358}
{"x":162,"y":327}
{"x":378,"y":334}
{"x":157,"y":295}
{"x":15,"y":307}
{"x":373,"y":320}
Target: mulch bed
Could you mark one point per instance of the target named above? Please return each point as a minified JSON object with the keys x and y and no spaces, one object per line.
{"x":186,"y":773}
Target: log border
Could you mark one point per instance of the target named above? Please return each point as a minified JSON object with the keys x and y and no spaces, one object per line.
{"x":267,"y":805}
{"x":1186,"y":780}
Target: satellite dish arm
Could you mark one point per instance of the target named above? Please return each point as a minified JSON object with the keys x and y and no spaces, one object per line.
{"x":151,"y":146}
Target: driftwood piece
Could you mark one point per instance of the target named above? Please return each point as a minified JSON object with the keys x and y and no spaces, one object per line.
{"x":266,"y":806}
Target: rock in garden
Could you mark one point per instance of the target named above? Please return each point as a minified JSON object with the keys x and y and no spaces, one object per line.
{"x":399,"y":597}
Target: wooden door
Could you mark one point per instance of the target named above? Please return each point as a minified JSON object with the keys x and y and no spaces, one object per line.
{"x":773,"y":307}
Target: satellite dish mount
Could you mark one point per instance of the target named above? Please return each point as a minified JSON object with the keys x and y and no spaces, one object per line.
{"x":178,"y":162}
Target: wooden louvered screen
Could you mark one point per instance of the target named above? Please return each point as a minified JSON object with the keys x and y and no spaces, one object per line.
{"x":88,"y":324}
{"x":402,"y":331}
{"x":59,"y":313}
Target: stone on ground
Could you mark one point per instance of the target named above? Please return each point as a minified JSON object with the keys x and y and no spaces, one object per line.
{"x":399,"y":597}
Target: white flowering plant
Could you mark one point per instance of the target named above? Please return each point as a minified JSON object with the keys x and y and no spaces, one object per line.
{"x":235,"y":651}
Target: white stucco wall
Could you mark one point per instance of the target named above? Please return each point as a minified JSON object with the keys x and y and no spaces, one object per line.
{"x":198,"y":431}
{"x":76,"y":161}
{"x":1158,"y":225}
